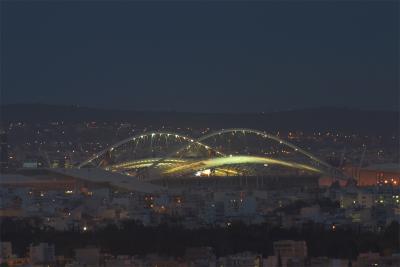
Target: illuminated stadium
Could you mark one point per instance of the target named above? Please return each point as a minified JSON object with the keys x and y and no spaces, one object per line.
{"x":225,"y":153}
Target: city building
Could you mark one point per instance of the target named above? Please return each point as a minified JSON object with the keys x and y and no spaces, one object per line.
{"x":5,"y":250}
{"x":43,"y":253}
{"x":88,"y":257}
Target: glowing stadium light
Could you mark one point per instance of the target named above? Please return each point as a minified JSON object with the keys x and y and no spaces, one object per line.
{"x":236,"y":160}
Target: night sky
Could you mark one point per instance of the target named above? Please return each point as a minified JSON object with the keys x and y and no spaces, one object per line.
{"x":201,"y":56}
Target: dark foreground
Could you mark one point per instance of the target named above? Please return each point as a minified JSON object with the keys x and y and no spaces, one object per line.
{"x":131,"y":238}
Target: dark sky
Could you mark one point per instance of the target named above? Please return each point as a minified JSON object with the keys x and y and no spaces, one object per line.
{"x":201,"y":56}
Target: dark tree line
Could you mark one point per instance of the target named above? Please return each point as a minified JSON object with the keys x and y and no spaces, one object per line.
{"x":133,"y":238}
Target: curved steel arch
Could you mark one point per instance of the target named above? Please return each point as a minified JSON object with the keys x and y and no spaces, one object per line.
{"x":246,"y":130}
{"x":268,"y":136}
{"x":132,"y":138}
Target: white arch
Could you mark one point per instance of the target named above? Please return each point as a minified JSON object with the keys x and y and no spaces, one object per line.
{"x":246,"y":130}
{"x":268,"y":136}
{"x":142,"y":135}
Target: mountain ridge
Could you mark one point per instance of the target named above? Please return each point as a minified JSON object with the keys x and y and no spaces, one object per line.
{"x":308,"y":119}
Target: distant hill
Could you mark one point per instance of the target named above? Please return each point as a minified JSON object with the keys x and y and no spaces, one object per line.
{"x":317,"y":119}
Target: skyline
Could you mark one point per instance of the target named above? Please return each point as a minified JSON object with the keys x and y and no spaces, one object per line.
{"x":201,"y":57}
